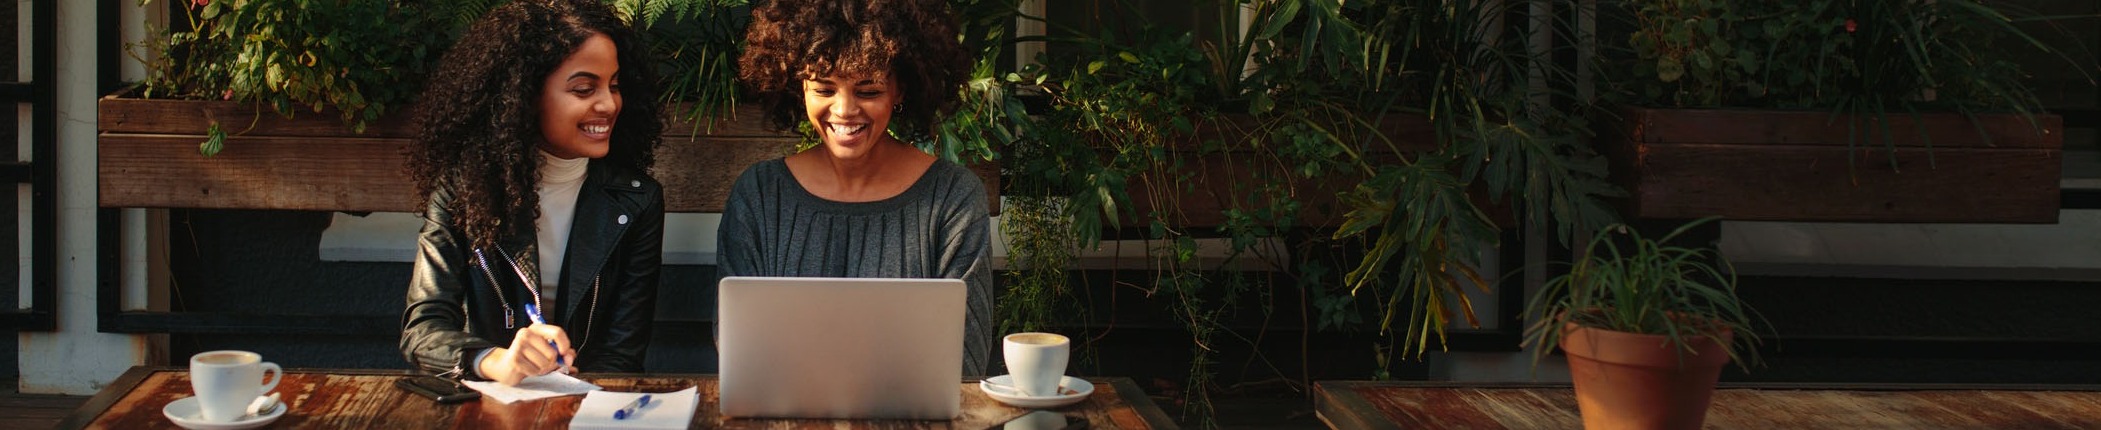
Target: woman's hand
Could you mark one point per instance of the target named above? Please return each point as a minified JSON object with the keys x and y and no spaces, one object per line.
{"x":534,"y":351}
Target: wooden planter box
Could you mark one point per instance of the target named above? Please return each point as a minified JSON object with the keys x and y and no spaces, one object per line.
{"x":1793,"y":166}
{"x":148,"y":158}
{"x":1223,"y":180}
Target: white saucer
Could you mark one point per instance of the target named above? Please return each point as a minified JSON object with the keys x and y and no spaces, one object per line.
{"x":184,"y":413}
{"x":1074,"y":390}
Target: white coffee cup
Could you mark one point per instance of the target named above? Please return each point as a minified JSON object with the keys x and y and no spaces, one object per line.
{"x":226,"y":381}
{"x":1036,"y":361}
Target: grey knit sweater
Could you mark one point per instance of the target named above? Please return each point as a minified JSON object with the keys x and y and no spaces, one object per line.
{"x":938,"y":228}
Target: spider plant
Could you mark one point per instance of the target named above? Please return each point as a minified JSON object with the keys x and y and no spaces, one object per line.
{"x":1629,"y":283}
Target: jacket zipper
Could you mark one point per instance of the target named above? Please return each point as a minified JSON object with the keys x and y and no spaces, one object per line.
{"x":508,"y":323}
{"x":596,"y":275}
{"x":531,"y":284}
{"x":592,"y":316}
{"x":590,"y":319}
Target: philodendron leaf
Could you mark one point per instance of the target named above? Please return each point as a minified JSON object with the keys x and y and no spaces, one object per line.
{"x":215,"y":141}
{"x":1669,"y":70}
{"x":1260,"y":104}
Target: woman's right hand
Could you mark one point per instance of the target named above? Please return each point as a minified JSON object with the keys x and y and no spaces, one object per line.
{"x":533,"y":352}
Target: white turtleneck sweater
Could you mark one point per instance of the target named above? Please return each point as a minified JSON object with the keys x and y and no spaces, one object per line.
{"x":559,"y":182}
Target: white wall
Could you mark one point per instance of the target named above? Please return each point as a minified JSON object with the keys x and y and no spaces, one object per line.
{"x":76,"y":359}
{"x":2069,"y":250}
{"x":689,"y":239}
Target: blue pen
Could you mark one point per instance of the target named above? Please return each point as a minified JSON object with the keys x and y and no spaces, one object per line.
{"x":630,"y":410}
{"x":533,"y":313}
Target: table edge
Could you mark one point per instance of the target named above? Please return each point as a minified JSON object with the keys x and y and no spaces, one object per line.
{"x":1126,"y":390}
{"x":106,"y":397}
{"x":1332,"y":403}
{"x":1725,"y":385}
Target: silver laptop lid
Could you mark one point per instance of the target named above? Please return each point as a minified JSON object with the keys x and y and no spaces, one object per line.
{"x":841,"y":347}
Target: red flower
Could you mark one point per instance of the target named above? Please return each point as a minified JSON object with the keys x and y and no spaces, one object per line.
{"x":201,"y":2}
{"x":1851,"y":25}
{"x":229,"y":93}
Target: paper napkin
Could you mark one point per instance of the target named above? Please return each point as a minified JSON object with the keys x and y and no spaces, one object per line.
{"x":535,"y":387}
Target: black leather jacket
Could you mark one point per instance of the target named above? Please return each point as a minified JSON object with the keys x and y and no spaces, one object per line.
{"x":462,"y":301}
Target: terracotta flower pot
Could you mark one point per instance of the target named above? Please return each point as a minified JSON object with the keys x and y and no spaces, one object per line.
{"x":1638,"y":381}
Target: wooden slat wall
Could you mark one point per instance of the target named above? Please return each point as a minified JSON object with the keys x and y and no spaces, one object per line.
{"x":148,"y":159}
{"x":1225,"y":180}
{"x":1942,"y":130}
{"x":1795,"y":166}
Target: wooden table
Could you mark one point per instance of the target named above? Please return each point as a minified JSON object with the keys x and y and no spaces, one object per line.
{"x":1445,"y":405}
{"x":362,"y":399}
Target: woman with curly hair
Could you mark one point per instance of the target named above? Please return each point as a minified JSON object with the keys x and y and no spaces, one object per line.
{"x":862,"y":203}
{"x":542,"y":239}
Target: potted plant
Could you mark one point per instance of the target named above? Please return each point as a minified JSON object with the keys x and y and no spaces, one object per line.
{"x":1886,"y":111}
{"x":1647,"y":327}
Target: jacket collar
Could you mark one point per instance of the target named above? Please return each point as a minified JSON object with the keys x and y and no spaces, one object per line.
{"x":608,"y":197}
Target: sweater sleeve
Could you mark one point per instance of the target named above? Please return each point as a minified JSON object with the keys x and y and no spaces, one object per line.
{"x":737,"y":237}
{"x":966,"y":254}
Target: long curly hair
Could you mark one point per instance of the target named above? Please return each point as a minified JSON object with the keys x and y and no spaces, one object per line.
{"x":477,"y":125}
{"x":913,"y":41}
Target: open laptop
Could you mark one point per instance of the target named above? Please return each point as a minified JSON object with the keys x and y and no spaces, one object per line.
{"x":841,"y":347}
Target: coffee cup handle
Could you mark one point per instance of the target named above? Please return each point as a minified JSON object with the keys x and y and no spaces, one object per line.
{"x":275,"y":373}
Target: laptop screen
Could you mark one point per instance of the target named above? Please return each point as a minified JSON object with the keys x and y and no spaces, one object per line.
{"x":841,"y":347}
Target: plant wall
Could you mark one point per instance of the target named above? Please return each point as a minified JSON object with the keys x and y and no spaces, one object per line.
{"x":1104,"y":135}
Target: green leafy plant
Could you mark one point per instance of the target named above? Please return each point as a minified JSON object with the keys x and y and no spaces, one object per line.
{"x":1483,"y":91}
{"x":366,"y":58}
{"x":288,"y":55}
{"x":1628,"y":283}
{"x":1884,"y":55}
{"x":1865,"y":58}
{"x":1307,"y":95}
{"x":695,"y":44}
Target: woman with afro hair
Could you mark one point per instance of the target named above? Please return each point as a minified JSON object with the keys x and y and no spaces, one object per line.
{"x":862,"y":203}
{"x":533,"y":143}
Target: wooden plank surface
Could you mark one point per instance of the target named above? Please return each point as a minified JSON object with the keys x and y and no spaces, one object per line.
{"x":1780,"y":183}
{"x":125,"y":115}
{"x":1220,"y":182}
{"x":1350,"y":404}
{"x":1225,"y":179}
{"x":299,"y":173}
{"x":1791,"y":166}
{"x":147,"y":158}
{"x":122,"y":115}
{"x":34,"y":411}
{"x":1765,"y":127}
{"x":368,"y":399}
{"x":366,"y":174}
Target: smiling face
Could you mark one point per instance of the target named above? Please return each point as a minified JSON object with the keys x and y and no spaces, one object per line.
{"x":580,"y":100}
{"x":851,"y":114}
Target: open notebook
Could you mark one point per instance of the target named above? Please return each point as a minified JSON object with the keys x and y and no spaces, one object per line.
{"x":673,"y":410}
